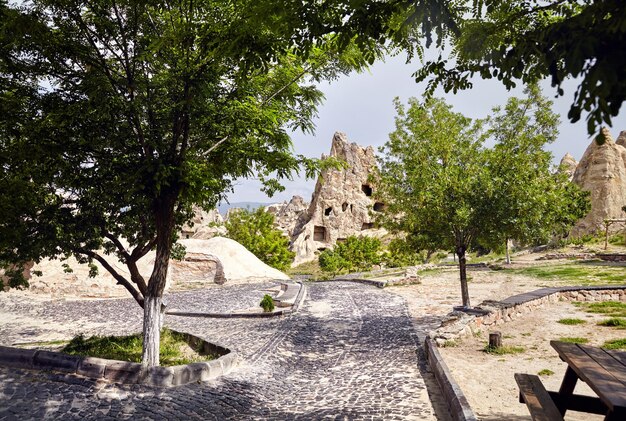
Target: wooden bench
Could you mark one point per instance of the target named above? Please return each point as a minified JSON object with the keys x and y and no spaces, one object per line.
{"x":537,"y":398}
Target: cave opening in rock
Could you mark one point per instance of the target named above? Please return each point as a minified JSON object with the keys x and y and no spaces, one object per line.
{"x":328,"y":211}
{"x":319,"y":233}
{"x":367,"y":189}
{"x":379,"y":207}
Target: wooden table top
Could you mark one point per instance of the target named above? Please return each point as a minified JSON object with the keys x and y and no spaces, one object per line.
{"x":603,"y":370}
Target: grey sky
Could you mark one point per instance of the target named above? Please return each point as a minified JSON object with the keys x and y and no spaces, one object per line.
{"x":361,"y":106}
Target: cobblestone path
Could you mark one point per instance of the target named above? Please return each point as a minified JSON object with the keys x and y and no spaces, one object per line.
{"x":351,"y":353}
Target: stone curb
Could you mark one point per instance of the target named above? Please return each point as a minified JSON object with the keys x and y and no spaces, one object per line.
{"x":293,"y":308}
{"x":460,"y":409}
{"x":119,"y":371}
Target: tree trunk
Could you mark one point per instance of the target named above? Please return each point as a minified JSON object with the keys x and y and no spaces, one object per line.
{"x":153,"y":311}
{"x":508,"y":254}
{"x":152,"y":322}
{"x":460,"y":251}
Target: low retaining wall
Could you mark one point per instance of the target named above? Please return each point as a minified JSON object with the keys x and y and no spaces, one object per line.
{"x":493,"y":313}
{"x":122,"y":371}
{"x":460,"y":409}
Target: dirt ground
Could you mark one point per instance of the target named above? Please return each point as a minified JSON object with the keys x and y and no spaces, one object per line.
{"x":486,"y":379}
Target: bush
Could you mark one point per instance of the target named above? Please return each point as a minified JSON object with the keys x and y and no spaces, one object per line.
{"x":400,"y":253}
{"x":256,"y":232}
{"x":267,"y":303}
{"x":355,"y":254}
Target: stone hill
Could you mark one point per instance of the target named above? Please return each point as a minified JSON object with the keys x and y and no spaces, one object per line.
{"x":341,"y":202}
{"x":602,"y":172}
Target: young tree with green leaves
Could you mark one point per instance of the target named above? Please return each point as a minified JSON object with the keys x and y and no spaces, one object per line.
{"x":116,"y":116}
{"x":255,"y":231}
{"x":446,"y":190}
{"x":352,"y":255}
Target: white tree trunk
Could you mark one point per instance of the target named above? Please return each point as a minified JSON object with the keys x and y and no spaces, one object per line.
{"x":508,"y":254}
{"x":152,"y":322}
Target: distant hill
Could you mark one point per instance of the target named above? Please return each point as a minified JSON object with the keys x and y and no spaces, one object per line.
{"x":223,"y":207}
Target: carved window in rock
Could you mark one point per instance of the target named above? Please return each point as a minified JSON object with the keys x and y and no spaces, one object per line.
{"x":367,"y":189}
{"x":319,"y":233}
{"x":367,"y":226}
{"x":344,"y":207}
{"x":328,"y":211}
{"x":379,"y":207}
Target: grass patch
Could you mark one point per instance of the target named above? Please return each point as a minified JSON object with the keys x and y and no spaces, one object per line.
{"x":608,"y":308}
{"x":546,"y":372}
{"x":614,"y":322}
{"x":311,"y":268}
{"x":615,"y":344}
{"x":575,"y":273}
{"x":571,"y":321}
{"x":574,"y":340}
{"x":174,"y":348}
{"x":450,"y":344}
{"x":39,"y":344}
{"x":504,"y":350}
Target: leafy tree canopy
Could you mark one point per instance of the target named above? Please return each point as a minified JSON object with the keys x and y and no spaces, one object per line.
{"x":256,"y":232}
{"x":447,"y":190}
{"x":519,"y":40}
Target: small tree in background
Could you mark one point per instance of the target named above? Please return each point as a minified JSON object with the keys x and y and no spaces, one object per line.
{"x":446,"y":190}
{"x":255,"y":231}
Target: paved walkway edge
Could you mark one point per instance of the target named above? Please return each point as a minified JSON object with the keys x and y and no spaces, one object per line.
{"x":460,"y":409}
{"x":293,"y":308}
{"x":120,"y":371}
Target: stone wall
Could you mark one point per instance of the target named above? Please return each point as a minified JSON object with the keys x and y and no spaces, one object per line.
{"x":494,"y":313}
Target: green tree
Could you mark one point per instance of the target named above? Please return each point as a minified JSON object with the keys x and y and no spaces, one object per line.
{"x":256,"y":232}
{"x":519,"y":40}
{"x":446,"y":190}
{"x":352,"y":255}
{"x":116,"y":116}
{"x":529,"y":203}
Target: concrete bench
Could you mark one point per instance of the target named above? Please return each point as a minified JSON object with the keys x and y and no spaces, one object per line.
{"x":288,"y":297}
{"x":537,"y":399}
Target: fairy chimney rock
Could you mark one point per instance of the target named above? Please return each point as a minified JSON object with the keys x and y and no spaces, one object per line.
{"x":341,"y":202}
{"x":621,"y":139}
{"x":287,"y":214}
{"x":602,"y":172}
{"x":204,"y":225}
{"x":568,"y":165}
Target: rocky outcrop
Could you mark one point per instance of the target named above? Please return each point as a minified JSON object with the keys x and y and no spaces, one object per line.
{"x":602,"y":172}
{"x":621,"y":139}
{"x":568,"y":165}
{"x":341,"y":202}
{"x":287,"y":214}
{"x":204,"y":225}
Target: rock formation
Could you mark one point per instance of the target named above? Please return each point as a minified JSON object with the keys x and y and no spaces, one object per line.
{"x":287,"y":214}
{"x":204,"y":225}
{"x":602,"y":171}
{"x":568,"y":165}
{"x":341,"y":202}
{"x":621,"y":139}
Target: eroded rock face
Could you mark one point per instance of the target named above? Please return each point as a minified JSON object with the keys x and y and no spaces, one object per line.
{"x":341,"y":202}
{"x":621,"y":139}
{"x":205,"y":225}
{"x":287,"y":214}
{"x":568,"y":165}
{"x":602,"y":171}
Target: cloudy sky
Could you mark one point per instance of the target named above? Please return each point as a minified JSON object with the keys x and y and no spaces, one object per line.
{"x":361,"y":105}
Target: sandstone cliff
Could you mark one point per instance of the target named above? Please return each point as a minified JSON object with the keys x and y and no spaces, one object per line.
{"x":602,"y":172}
{"x":287,"y":214}
{"x":341,"y":202}
{"x":568,"y":165}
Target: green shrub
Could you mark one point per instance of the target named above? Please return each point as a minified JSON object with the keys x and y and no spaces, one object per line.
{"x":256,"y":232}
{"x":355,"y":254}
{"x":267,"y":303}
{"x":503,"y":350}
{"x":546,"y":372}
{"x":399,"y":253}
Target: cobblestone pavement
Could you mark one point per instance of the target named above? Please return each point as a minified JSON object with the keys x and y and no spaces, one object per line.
{"x":351,"y":353}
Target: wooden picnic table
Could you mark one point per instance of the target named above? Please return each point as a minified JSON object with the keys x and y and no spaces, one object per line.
{"x":603,"y":370}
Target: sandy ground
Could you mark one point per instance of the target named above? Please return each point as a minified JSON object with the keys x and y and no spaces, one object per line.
{"x":487,"y":380}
